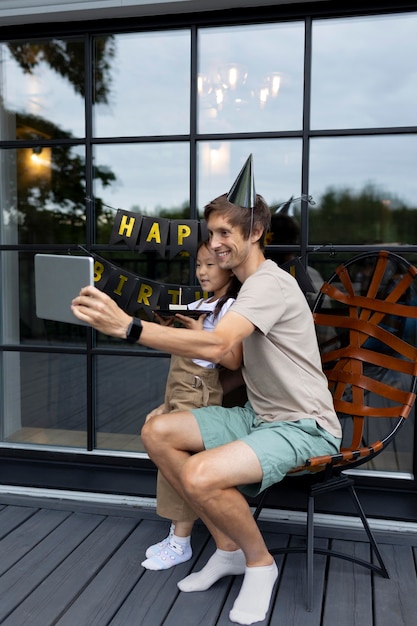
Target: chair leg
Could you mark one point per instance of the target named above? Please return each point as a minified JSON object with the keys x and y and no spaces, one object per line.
{"x":383,"y":570}
{"x":310,"y":552}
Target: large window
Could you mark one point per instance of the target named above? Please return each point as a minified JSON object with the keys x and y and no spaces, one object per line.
{"x":158,"y":122}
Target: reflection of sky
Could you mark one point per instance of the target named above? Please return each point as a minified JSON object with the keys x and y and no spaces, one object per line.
{"x":148,"y":175}
{"x":387,"y":163}
{"x":364,"y":72}
{"x":43,"y":93}
{"x":363,"y":75}
{"x":150,"y":87}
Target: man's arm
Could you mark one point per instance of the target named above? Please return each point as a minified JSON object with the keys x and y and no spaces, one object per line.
{"x":102,"y":313}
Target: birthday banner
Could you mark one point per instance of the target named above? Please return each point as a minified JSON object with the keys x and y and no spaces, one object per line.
{"x":154,"y":233}
{"x":134,"y":293}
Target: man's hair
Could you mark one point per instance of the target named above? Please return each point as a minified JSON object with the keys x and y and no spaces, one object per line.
{"x":246,"y":219}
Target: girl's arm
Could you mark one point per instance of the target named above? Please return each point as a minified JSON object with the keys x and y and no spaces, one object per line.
{"x":233,"y":359}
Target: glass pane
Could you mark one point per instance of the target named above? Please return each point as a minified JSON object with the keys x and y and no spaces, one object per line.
{"x":150,"y":179}
{"x":128,"y":388}
{"x":364,"y":72}
{"x":277,"y":168}
{"x":251,"y":78}
{"x":42,"y":84}
{"x":43,"y":200}
{"x":148,"y":85}
{"x":39,"y":402}
{"x":364,"y":190}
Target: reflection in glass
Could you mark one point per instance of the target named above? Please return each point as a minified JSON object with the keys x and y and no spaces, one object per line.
{"x":277,"y":168}
{"x":43,"y":200}
{"x":128,"y":388}
{"x":250,"y":78}
{"x":150,"y":179}
{"x":363,"y":72}
{"x":42,"y":88}
{"x":148,"y":86}
{"x":40,"y":405}
{"x":364,"y":190}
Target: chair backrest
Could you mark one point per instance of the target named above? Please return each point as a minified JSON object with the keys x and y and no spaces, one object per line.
{"x":366,"y":320}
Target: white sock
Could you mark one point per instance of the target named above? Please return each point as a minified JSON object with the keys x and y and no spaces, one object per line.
{"x":254,"y":597}
{"x":177,"y":550}
{"x":157,"y":547}
{"x":221,"y":564}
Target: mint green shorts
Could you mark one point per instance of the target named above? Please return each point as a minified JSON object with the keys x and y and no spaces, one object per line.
{"x":279,"y":446}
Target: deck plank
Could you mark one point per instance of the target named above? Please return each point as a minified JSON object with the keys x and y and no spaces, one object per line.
{"x":145,"y":601}
{"x":291,"y":599}
{"x":28,"y":574}
{"x":81,"y":564}
{"x":13,"y":516}
{"x":396,"y":598}
{"x":25,"y":537}
{"x":349,"y":587}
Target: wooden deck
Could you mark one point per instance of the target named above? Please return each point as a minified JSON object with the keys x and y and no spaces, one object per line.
{"x":72,"y":563}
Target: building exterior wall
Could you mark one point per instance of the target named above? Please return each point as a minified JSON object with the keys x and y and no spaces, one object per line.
{"x":155,"y":117}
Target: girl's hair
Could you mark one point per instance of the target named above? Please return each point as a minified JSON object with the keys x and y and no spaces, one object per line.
{"x":244,"y":218}
{"x":232,"y":289}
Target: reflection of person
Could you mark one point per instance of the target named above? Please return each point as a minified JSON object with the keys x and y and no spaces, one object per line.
{"x":214,"y":456}
{"x":285,"y":230}
{"x":192,"y":383}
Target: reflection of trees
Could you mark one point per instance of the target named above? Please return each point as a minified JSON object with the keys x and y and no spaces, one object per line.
{"x":51,"y":201}
{"x":51,"y":190}
{"x":66,"y":57}
{"x":366,"y":217}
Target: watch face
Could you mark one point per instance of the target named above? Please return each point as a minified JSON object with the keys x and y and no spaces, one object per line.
{"x":134,"y":330}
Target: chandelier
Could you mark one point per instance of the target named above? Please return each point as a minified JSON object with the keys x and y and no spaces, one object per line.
{"x":232,"y":85}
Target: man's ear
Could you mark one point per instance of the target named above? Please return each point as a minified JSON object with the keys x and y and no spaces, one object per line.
{"x":257,"y":233}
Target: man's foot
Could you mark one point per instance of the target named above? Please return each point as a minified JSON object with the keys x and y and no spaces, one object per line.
{"x":254,"y":597}
{"x":221,"y":564}
{"x":173,"y":553}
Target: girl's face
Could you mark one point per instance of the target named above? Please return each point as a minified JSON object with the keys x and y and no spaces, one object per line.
{"x":210,"y":276}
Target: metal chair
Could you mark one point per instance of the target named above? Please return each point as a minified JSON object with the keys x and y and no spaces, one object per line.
{"x":366,"y":320}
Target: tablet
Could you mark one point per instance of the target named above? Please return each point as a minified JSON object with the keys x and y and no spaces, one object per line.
{"x":58,"y":280}
{"x":194,"y":313}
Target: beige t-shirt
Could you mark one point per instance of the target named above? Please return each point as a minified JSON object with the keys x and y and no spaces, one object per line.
{"x":282,"y":366}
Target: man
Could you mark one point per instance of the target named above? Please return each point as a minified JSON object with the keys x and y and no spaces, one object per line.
{"x":212,"y":455}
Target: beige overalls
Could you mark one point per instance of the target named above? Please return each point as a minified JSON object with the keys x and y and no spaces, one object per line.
{"x":189,"y":386}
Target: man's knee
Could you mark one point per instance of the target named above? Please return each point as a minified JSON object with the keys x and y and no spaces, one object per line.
{"x":196,"y":478}
{"x":154,"y":431}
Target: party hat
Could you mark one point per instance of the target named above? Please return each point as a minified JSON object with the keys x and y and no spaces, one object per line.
{"x":285,"y":207}
{"x":243,"y":192}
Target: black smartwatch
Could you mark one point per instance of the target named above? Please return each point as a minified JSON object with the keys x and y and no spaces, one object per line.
{"x":134,"y":330}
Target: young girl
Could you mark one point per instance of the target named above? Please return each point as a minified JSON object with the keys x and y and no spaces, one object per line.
{"x":192,"y":383}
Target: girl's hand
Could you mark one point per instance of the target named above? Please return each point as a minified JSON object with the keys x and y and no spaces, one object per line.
{"x":190,"y":322}
{"x":160,"y":410}
{"x":164,"y":321}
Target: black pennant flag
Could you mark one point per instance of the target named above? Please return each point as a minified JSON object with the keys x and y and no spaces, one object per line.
{"x":154,"y":234}
{"x":126,"y":228}
{"x":183,"y":235}
{"x":145,"y":296}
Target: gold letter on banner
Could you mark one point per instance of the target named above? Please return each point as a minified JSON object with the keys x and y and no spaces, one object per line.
{"x":183,"y":236}
{"x":145,"y":296}
{"x":126,"y":228}
{"x":154,"y":234}
{"x":120,"y":287}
